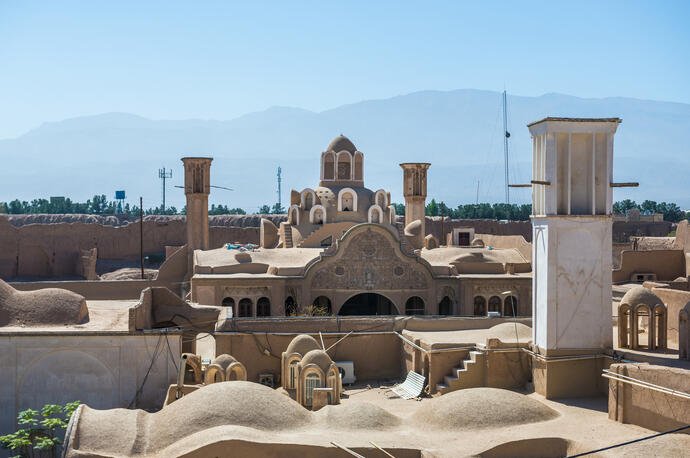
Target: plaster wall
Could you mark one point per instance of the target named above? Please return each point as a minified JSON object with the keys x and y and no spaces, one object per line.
{"x":647,"y":408}
{"x":572,"y":294}
{"x":674,"y":300}
{"x":103,"y":371}
{"x":666,"y":264}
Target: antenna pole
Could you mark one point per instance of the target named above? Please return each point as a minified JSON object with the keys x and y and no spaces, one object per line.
{"x":141,"y":235}
{"x":477,"y":203}
{"x":279,"y":180}
{"x":506,"y":135}
{"x":163,"y":175}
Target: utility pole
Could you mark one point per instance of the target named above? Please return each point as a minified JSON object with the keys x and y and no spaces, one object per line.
{"x":163,"y":175}
{"x":141,"y":235}
{"x":279,"y":180}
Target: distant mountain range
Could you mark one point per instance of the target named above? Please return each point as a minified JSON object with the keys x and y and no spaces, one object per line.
{"x":459,"y":132}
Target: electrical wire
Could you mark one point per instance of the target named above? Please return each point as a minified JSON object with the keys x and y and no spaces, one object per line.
{"x":630,"y":442}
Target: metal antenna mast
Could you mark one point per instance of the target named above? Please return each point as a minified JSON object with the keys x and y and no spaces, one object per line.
{"x":164,"y":175}
{"x":506,"y":136}
{"x":279,"y":180}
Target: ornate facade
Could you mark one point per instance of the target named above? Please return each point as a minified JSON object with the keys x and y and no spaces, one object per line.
{"x":343,"y":251}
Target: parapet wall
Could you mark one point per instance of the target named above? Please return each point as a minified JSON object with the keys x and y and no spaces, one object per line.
{"x":666,"y":264}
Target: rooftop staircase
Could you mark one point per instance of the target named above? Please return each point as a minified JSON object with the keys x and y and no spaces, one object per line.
{"x":470,"y":374}
{"x":286,"y":228}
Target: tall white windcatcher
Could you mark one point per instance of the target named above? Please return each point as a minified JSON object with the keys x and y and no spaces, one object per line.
{"x":571,"y":236}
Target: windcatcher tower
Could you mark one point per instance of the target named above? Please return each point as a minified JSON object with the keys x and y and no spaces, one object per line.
{"x":414,"y":190}
{"x":571,"y":252}
{"x":197,"y":186}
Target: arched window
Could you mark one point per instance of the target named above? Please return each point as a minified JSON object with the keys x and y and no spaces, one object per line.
{"x":292,"y":377}
{"x":290,"y":306}
{"x":643,"y":331}
{"x":391,"y":214}
{"x":414,"y":306}
{"x":311,"y":381}
{"x":263,"y":307}
{"x":444,"y":307}
{"x":624,"y":327}
{"x":495,"y":304}
{"x":344,"y":166}
{"x":321,"y":306}
{"x":229,"y":302}
{"x":244,"y":308}
{"x":660,"y":326}
{"x":479,"y":306}
{"x":329,"y":167}
{"x":359,"y":166}
{"x":510,"y":306}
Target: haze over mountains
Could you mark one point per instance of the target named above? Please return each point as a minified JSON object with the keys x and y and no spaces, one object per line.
{"x":459,"y":132}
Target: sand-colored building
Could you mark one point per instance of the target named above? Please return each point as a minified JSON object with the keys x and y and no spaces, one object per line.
{"x":340,"y":252}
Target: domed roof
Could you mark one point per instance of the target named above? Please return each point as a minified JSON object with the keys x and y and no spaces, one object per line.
{"x":223,"y":360}
{"x":342,"y":143}
{"x":318,"y":357}
{"x":302,"y":344}
{"x":639,"y":295}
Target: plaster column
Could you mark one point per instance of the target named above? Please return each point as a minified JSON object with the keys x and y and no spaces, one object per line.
{"x":197,"y":186}
{"x":571,"y":254}
{"x":414,"y":190}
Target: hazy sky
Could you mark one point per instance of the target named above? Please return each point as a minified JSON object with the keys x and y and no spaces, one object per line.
{"x":175,"y":60}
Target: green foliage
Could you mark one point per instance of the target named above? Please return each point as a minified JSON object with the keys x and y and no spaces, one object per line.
{"x":399,"y":208}
{"x":223,"y":210}
{"x":671,"y":211}
{"x":264,"y":210}
{"x":277,"y":209}
{"x":512,"y":212}
{"x":41,"y":430}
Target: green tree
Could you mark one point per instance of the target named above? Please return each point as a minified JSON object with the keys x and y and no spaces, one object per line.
{"x":264,"y":209}
{"x":432,"y":208}
{"x":277,"y":209}
{"x":648,"y":207}
{"x":399,"y":208}
{"x":40,"y":431}
{"x":623,"y":206}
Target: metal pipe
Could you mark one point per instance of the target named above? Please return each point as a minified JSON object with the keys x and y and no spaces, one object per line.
{"x":633,"y":381}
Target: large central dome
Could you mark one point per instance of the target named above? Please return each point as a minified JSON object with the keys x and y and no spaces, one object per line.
{"x":342,"y":143}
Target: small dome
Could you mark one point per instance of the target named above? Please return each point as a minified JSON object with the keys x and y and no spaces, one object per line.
{"x":477,"y":242}
{"x":640,"y":295}
{"x":223,"y":360}
{"x":342,"y":143}
{"x":302,"y":344}
{"x":318,"y":357}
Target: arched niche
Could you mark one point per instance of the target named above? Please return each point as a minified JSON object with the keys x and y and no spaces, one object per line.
{"x":263,"y":307}
{"x":479,"y":306}
{"x":414,"y":306}
{"x":495,"y":304}
{"x":347,"y":200}
{"x":381,"y":198}
{"x":293,"y":215}
{"x":307,"y":199}
{"x":317,"y":215}
{"x":375,"y":214}
{"x":244,"y":308}
{"x":391,"y":214}
{"x":510,"y":306}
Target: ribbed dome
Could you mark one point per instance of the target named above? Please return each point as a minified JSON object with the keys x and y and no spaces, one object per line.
{"x":640,"y":295}
{"x":302,"y":344}
{"x":342,"y":143}
{"x":318,"y":357}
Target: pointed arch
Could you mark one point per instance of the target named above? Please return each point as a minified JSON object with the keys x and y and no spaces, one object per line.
{"x":342,"y":193}
{"x":375,"y":214}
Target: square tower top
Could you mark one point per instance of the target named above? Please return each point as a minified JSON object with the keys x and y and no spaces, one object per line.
{"x":572,"y":166}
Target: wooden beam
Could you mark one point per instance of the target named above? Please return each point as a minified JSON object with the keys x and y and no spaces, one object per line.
{"x":631,"y":184}
{"x":545,"y":183}
{"x":520,"y":185}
